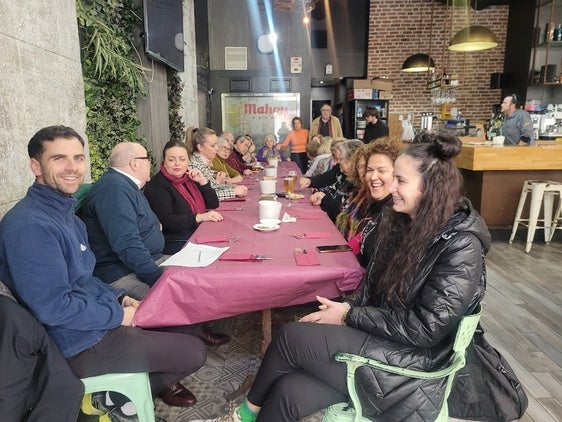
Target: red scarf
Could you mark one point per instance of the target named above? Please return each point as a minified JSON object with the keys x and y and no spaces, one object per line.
{"x":188,"y":190}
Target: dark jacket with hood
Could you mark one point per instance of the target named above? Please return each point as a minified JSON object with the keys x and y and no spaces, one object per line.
{"x":448,"y":284}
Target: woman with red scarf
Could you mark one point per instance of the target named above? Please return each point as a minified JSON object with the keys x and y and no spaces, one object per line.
{"x":180,"y":197}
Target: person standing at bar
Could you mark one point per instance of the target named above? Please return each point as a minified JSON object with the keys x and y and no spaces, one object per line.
{"x":517,"y":126}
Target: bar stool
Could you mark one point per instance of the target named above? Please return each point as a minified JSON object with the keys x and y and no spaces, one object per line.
{"x":541,"y":191}
{"x":556,"y":221}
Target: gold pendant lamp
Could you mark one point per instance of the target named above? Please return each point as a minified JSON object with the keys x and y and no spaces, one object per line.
{"x":420,"y":62}
{"x":473,"y":37}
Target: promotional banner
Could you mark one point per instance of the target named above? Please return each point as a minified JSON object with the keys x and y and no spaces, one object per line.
{"x":259,"y":114}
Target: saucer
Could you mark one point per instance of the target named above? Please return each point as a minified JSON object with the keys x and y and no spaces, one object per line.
{"x":294,"y":196}
{"x":266,"y":227}
{"x":270,"y":221}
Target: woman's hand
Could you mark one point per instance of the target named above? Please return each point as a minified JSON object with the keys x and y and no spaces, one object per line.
{"x":247,"y":172}
{"x":304,"y":182}
{"x":235,"y":179}
{"x":197,"y":176}
{"x":240,"y":190}
{"x":129,"y":301}
{"x":221,"y":177}
{"x":128,"y":315}
{"x":210,"y":216}
{"x":316,"y":198}
{"x":330,"y":312}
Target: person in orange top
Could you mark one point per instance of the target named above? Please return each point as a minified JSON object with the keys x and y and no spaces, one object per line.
{"x":298,"y":139}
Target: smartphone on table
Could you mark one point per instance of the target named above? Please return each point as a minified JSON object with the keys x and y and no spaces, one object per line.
{"x":333,"y":248}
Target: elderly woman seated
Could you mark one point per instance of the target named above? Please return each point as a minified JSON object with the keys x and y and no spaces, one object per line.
{"x":337,"y":187}
{"x":220,"y":165}
{"x":268,"y":150}
{"x":241,"y":147}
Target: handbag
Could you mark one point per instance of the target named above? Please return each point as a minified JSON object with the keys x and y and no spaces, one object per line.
{"x":486,"y":389}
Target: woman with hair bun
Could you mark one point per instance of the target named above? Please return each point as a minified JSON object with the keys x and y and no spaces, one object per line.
{"x":426,"y":273}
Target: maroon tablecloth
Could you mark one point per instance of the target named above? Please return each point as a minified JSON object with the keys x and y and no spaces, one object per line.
{"x":226,"y":288}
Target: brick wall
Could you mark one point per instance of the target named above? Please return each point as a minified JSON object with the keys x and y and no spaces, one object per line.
{"x":395,"y":33}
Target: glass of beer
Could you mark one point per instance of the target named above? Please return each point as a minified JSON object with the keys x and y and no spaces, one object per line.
{"x":289,"y":184}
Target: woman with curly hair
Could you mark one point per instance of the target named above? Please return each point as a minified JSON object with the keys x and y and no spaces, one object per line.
{"x":372,"y":173}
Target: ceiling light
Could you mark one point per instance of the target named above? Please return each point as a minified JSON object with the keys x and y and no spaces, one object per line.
{"x":418,"y":63}
{"x":473,"y":38}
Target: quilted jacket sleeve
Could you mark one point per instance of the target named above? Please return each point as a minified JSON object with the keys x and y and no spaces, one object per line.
{"x":448,"y":280}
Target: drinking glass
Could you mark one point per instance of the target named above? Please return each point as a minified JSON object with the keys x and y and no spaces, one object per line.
{"x":289,"y":184}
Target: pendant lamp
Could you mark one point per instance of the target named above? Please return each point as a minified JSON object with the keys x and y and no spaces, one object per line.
{"x":420,"y":62}
{"x":473,"y":38}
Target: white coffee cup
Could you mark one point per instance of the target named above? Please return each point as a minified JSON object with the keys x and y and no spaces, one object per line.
{"x":267,"y":186}
{"x":498,"y":140}
{"x":269,"y":210}
{"x":271,"y":171}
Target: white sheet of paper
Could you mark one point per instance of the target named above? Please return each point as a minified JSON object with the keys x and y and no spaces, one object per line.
{"x":193,"y":255}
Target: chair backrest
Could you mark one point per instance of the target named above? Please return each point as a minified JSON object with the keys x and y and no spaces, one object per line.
{"x":80,"y":196}
{"x":465,"y":332}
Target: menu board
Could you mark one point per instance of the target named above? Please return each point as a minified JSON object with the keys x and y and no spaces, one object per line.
{"x":259,"y":114}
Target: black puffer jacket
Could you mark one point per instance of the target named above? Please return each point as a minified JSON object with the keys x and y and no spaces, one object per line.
{"x":449,"y":283}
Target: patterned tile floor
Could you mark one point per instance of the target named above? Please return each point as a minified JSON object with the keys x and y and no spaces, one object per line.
{"x":228,"y":366}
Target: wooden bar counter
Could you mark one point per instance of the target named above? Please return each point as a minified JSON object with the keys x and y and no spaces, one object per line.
{"x":494,"y":175}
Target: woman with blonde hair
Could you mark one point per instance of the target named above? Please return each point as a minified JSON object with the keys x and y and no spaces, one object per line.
{"x":202,"y":146}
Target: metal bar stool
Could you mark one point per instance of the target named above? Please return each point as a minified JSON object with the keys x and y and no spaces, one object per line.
{"x":542,"y":191}
{"x":557,"y":220}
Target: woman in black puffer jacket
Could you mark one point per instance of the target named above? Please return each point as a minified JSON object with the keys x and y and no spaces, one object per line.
{"x":427,"y":271}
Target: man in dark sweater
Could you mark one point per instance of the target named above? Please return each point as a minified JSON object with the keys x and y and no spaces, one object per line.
{"x":124,"y":232}
{"x":375,"y":128}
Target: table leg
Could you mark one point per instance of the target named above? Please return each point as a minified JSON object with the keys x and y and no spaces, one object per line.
{"x":266,"y":330}
{"x":266,"y":339}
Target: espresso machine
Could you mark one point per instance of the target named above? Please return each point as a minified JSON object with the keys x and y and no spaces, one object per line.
{"x":549,"y":124}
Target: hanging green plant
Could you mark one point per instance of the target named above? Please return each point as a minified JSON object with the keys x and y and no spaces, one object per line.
{"x":113,"y":76}
{"x":175,"y":89}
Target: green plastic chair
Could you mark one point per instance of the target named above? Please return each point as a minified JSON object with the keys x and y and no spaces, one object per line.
{"x":352,"y":412}
{"x":80,"y":196}
{"x":135,"y":386}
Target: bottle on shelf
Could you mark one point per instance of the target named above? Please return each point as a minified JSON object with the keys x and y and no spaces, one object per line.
{"x":359,"y":112}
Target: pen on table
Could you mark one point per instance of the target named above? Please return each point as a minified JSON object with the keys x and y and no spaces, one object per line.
{"x":199,"y":257}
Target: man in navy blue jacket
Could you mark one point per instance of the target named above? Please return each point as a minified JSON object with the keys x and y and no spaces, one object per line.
{"x":123,"y":230}
{"x":46,"y":261}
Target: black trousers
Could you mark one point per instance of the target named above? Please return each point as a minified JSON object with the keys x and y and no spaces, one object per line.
{"x":36,"y":383}
{"x":168,"y":357}
{"x":301,"y":159}
{"x":298,"y":375}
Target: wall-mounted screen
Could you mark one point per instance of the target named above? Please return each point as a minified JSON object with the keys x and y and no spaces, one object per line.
{"x":163,"y":28}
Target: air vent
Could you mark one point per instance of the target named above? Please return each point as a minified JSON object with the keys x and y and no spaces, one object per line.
{"x":235,"y":58}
